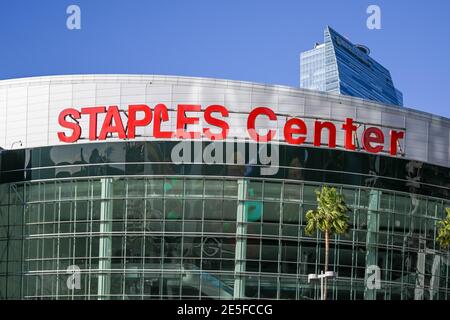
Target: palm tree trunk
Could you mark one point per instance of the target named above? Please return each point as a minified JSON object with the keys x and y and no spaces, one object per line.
{"x":327,"y":244}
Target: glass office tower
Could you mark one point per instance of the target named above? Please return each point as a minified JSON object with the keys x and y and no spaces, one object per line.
{"x":339,"y":66}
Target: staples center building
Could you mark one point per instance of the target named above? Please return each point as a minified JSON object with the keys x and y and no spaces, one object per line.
{"x":96,"y":204}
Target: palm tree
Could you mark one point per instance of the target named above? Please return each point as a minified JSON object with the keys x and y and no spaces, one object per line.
{"x":444,"y":231}
{"x":330,"y":217}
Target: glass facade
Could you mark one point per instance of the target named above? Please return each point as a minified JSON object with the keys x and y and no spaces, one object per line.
{"x":138,"y":227}
{"x":339,"y":66}
{"x":313,"y":74}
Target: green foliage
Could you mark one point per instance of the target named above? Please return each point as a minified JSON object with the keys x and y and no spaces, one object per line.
{"x":331,"y":213}
{"x":444,"y":231}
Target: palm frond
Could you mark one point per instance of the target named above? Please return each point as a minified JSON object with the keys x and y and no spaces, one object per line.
{"x":331,"y":214}
{"x":443,"y":236}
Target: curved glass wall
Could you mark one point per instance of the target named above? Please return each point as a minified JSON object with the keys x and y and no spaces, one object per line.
{"x":174,"y":236}
{"x":295,"y":163}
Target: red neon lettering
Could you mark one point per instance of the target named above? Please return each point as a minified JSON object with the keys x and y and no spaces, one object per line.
{"x":295,"y":126}
{"x":251,"y":124}
{"x":295,"y":129}
{"x":161,"y":114}
{"x":183,"y":120}
{"x":112,"y":114}
{"x":349,"y":129}
{"x":395,"y":136}
{"x":133,"y":122}
{"x":76,"y":130}
{"x":93,"y":112}
{"x":373,"y":135}
{"x":318,"y":126}
{"x":216,"y":122}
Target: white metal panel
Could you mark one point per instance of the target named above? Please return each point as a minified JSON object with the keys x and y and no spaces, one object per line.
{"x":3,"y":106}
{"x":29,"y":108}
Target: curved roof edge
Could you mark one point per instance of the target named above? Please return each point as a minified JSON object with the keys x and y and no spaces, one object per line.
{"x":216,"y":82}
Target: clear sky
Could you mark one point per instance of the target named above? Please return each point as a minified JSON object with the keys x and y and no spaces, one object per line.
{"x":252,"y":40}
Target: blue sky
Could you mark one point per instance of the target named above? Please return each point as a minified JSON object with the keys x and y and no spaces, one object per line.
{"x":242,"y":40}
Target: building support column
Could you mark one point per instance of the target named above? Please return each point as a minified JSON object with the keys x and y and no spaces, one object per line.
{"x":435,"y":272}
{"x":373,"y":225}
{"x":241,"y":241}
{"x":420,"y":271}
{"x":104,"y":250}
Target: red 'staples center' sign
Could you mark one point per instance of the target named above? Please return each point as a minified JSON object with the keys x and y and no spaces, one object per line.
{"x":140,"y":115}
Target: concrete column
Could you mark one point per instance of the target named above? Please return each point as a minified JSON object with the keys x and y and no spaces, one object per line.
{"x":420,"y":271}
{"x":241,"y":241}
{"x":104,"y":250}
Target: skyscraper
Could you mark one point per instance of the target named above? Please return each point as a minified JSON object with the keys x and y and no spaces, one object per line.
{"x":339,"y":66}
